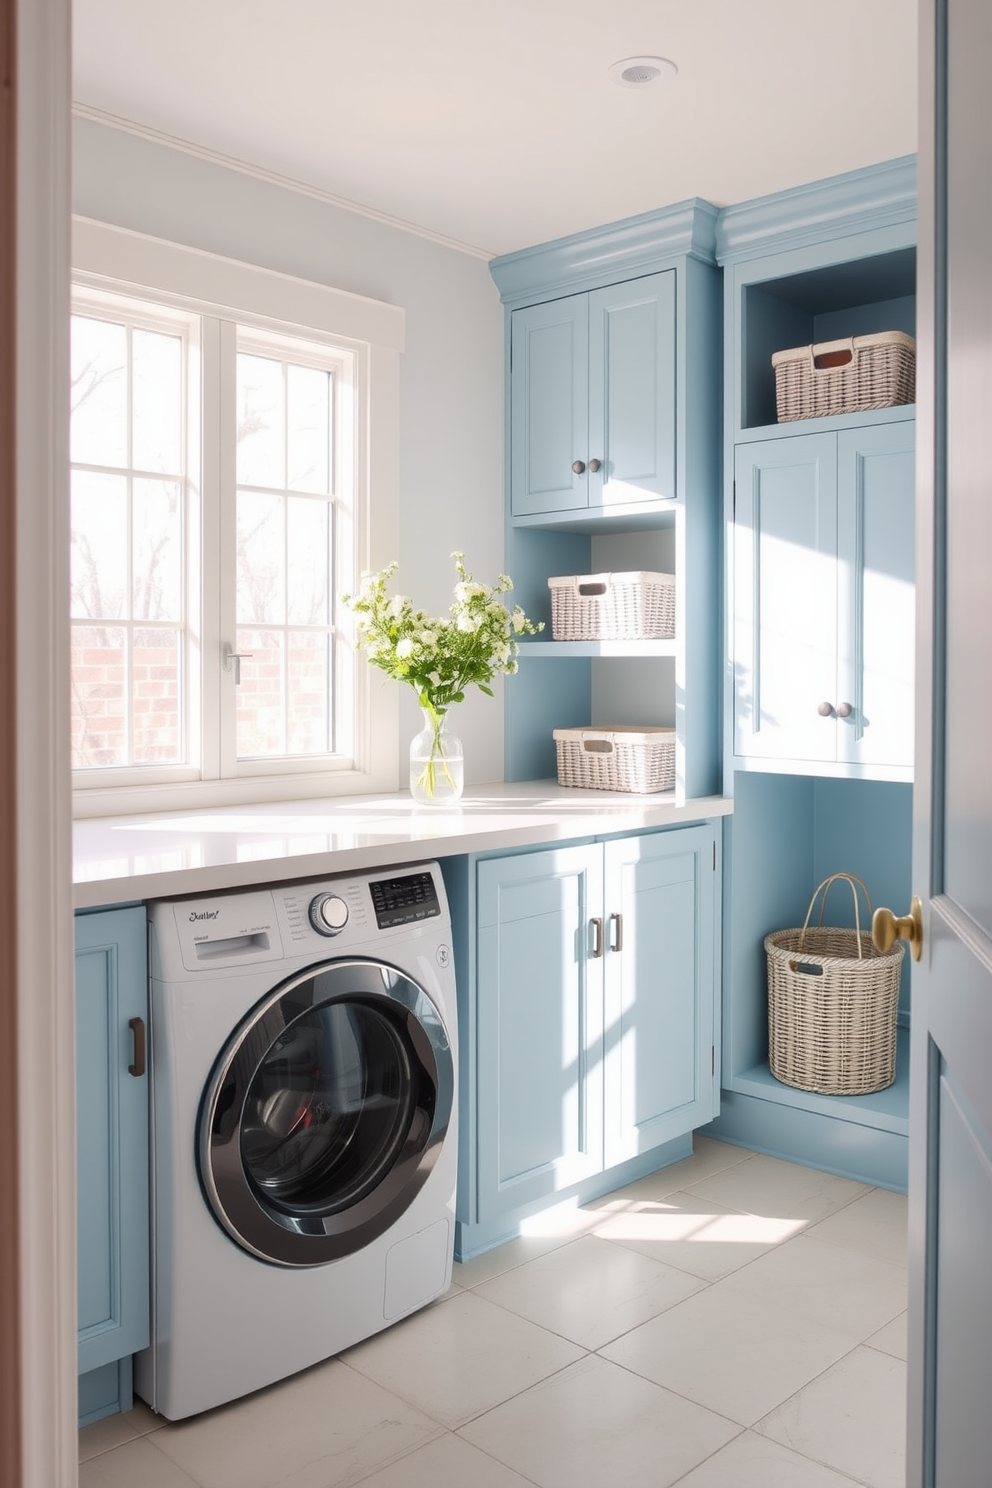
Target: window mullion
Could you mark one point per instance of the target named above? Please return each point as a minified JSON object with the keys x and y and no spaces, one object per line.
{"x":211,"y":580}
{"x":227,"y":565}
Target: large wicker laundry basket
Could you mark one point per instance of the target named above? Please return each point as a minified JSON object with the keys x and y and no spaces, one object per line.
{"x":832,"y":1004}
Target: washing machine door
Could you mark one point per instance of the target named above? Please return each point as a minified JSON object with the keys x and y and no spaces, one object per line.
{"x":325,"y":1113}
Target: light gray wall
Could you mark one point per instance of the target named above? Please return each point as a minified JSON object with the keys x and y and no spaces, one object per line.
{"x":451,"y":375}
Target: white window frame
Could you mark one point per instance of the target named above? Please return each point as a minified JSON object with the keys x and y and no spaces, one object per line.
{"x":265,"y":302}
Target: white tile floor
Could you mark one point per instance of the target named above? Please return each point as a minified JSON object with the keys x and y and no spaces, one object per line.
{"x":731,"y":1322}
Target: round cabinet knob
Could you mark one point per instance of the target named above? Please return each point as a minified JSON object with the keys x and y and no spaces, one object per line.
{"x":825,"y":709}
{"x":844,"y":710}
{"x":328,"y":914}
{"x":578,"y":466}
{"x":595,"y":465}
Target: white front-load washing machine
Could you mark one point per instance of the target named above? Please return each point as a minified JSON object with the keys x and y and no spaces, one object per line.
{"x":303,"y":1126}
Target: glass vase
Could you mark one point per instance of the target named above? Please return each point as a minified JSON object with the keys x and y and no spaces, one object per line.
{"x":437,"y":767}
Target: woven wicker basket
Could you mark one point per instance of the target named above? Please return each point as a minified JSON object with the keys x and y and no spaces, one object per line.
{"x":845,"y":376}
{"x":612,"y":606}
{"x":832,"y":1003}
{"x":623,"y":758}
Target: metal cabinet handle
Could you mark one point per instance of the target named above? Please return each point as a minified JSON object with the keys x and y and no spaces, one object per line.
{"x":597,"y":937}
{"x":137,"y":1027}
{"x":844,"y":710}
{"x":825,"y":709}
{"x":616,"y":932}
{"x":579,"y":466}
{"x":595,"y":465}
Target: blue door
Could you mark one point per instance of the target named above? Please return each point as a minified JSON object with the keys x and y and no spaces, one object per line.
{"x":950,"y":1442}
{"x":549,"y":392}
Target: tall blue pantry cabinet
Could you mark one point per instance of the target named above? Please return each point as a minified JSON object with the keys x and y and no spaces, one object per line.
{"x":589,"y":972}
{"x":818,"y":699}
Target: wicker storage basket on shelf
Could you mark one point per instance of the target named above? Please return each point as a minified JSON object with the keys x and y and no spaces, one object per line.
{"x":832,"y":1003}
{"x":612,"y":606}
{"x":622,"y":758}
{"x":849,"y":376}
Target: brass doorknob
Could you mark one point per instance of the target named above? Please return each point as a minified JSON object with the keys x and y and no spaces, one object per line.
{"x":887,"y":928}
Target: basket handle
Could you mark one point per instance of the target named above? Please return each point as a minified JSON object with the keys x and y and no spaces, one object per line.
{"x":593,"y":743}
{"x":830,"y":360}
{"x":824,"y":888}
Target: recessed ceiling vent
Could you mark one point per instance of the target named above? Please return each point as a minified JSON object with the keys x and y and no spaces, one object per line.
{"x":642,"y":72}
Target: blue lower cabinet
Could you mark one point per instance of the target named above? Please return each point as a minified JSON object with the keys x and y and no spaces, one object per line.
{"x":587,"y":1019}
{"x":111,"y":1155}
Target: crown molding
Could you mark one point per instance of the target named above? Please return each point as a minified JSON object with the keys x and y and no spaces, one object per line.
{"x":857,"y":201}
{"x":605,"y":255}
{"x":271,"y":178}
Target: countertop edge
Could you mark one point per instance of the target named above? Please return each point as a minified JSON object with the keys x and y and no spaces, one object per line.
{"x":93,"y":888}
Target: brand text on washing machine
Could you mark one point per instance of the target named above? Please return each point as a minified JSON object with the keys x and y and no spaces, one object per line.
{"x":203,"y":914}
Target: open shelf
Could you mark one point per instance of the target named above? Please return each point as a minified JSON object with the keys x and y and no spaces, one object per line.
{"x":858,"y":297}
{"x":834,"y":423}
{"x":886,"y":1110}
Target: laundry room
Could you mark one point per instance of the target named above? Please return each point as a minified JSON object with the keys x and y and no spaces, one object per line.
{"x":428,"y":1122}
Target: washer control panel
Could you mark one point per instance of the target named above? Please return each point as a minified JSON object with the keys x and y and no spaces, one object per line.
{"x":403,"y":900}
{"x":328,"y":914}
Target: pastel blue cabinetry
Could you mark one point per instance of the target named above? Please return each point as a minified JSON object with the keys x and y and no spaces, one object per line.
{"x":592,"y":414}
{"x":111,"y":1155}
{"x":613,"y":342}
{"x":823,"y":606}
{"x":587,"y":1007}
{"x":818,"y":705}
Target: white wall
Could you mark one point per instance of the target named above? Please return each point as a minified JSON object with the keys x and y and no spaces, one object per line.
{"x":451,"y":378}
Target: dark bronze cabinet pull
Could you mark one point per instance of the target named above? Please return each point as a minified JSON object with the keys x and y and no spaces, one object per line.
{"x":137,"y":1027}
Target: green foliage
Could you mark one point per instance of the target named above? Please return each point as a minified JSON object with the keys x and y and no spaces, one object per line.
{"x":440,"y":657}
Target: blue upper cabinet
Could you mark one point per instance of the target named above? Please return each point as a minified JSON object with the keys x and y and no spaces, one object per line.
{"x":112,"y":1148}
{"x":613,"y":355}
{"x":592,"y":414}
{"x":820,"y":566}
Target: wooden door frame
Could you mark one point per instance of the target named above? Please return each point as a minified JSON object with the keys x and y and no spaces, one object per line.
{"x":38,"y":1406}
{"x":10,"y":1250}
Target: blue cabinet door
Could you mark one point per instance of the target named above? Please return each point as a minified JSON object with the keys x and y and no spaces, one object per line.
{"x":632,"y":391}
{"x":785,"y":599}
{"x":540,"y":1029}
{"x":592,"y":384}
{"x":549,"y":391}
{"x":112,"y":1137}
{"x":658,"y":1031}
{"x":876,"y":644}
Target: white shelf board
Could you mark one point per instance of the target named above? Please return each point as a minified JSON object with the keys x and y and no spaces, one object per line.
{"x":598,"y":648}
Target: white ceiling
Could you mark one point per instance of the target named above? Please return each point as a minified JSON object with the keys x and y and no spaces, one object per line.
{"x":495,"y":124}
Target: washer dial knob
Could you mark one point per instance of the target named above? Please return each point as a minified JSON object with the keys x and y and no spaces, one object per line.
{"x":328,"y":914}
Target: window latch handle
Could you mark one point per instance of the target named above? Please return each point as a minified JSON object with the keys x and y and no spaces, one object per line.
{"x":234,"y":659}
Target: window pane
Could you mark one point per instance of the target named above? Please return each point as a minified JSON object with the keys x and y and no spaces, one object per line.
{"x":156,"y":706}
{"x":99,"y":696}
{"x":157,"y":538}
{"x":99,"y":546}
{"x":308,"y":692}
{"x":308,"y":408}
{"x":261,"y":558}
{"x":308,"y":588}
{"x":156,"y":401}
{"x":261,"y":694}
{"x":98,"y":428}
{"x":261,"y":458}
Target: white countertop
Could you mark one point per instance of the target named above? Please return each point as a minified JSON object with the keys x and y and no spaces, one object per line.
{"x":126,"y":858}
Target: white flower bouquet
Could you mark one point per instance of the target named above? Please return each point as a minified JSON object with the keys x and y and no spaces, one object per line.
{"x":440,"y":657}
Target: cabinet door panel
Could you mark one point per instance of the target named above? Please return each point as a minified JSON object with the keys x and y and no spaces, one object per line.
{"x":660,"y":991}
{"x":632,"y":391}
{"x":877,"y":613}
{"x":540,"y":1026}
{"x":112,"y":1138}
{"x":785,"y":598}
{"x":549,"y":354}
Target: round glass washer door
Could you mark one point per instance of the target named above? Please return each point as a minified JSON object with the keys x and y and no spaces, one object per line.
{"x":325,"y":1113}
